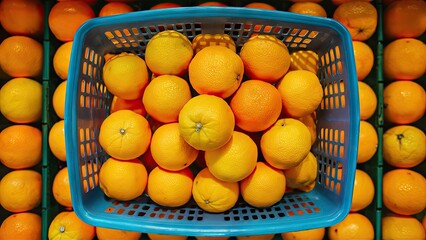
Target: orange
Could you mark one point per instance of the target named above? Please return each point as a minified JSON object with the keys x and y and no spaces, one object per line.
{"x":260,"y":5}
{"x":165,"y":96}
{"x":61,"y":188}
{"x":354,"y":226}
{"x":168,"y":52}
{"x":364,"y":59}
{"x":66,"y":17}
{"x":126,"y":76}
{"x":404,"y":191}
{"x":57,"y":140}
{"x":20,"y":190}
{"x":264,"y":187}
{"x":265,"y":58}
{"x":125,"y":135}
{"x":91,"y":2}
{"x":216,"y":70}
{"x":212,"y":3}
{"x":424,"y":222}
{"x":286,"y":143}
{"x":115,"y":234}
{"x":338,"y":2}
{"x":308,"y":8}
{"x":256,"y":237}
{"x":114,"y":8}
{"x":135,"y":105}
{"x":206,"y":122}
{"x":205,"y":39}
{"x":20,"y":146}
{"x":310,"y":122}
{"x":61,"y":60}
{"x":304,"y":60}
{"x":404,"y":102}
{"x":303,"y":174}
{"x":399,"y":16}
{"x":359,"y":17}
{"x":58,"y":99}
{"x":170,"y":188}
{"x":123,"y":180}
{"x":165,"y":5}
{"x":311,"y":234}
{"x":211,"y":238}
{"x":153,"y":236}
{"x":363,"y":192}
{"x":256,"y":105}
{"x":233,"y":161}
{"x":301,"y":93}
{"x":367,"y":142}
{"x":21,"y":56}
{"x":67,"y":225}
{"x":148,"y":160}
{"x":402,"y":227}
{"x":317,"y":1}
{"x":404,"y":146}
{"x":213,"y":195}
{"x":22,"y":17}
{"x":367,"y":100}
{"x":403,"y":59}
{"x":169,"y":149}
{"x":24,"y":225}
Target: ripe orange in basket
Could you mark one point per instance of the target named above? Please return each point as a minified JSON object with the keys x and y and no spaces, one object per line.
{"x":260,"y":5}
{"x":403,"y":59}
{"x":20,"y":146}
{"x":424,"y":222}
{"x":206,"y":122}
{"x":204,"y":40}
{"x":21,"y":56}
{"x":21,"y":100}
{"x":66,"y":17}
{"x":67,"y":225}
{"x":363,"y":192}
{"x":20,"y":190}
{"x":213,"y":195}
{"x":308,"y":8}
{"x":404,"y":102}
{"x":359,"y":17}
{"x":165,"y":96}
{"x":114,"y":8}
{"x":168,"y":52}
{"x":61,"y":60}
{"x":123,"y":180}
{"x":169,"y":150}
{"x":404,"y":146}
{"x":213,"y":4}
{"x":311,"y":234}
{"x":126,"y":76}
{"x":404,"y":191}
{"x":115,"y":234}
{"x":256,"y":237}
{"x":265,"y":58}
{"x":61,"y":188}
{"x":91,"y":2}
{"x":367,"y":142}
{"x":310,"y":122}
{"x":57,"y":140}
{"x":399,"y":18}
{"x":264,"y":187}
{"x":286,"y":143}
{"x":216,"y":70}
{"x":367,"y":100}
{"x":153,"y":236}
{"x":301,"y":93}
{"x":170,"y":188}
{"x":364,"y":59}
{"x":135,"y":105}
{"x":165,"y":5}
{"x":211,"y":238}
{"x":125,"y":135}
{"x":396,"y":226}
{"x":23,"y":225}
{"x":23,"y":17}
{"x":303,"y":174}
{"x":338,"y":2}
{"x":354,"y":226}
{"x":58,"y":99}
{"x":304,"y":60}
{"x":256,"y":105}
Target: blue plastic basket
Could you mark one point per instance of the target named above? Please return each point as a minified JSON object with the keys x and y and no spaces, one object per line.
{"x":88,"y":103}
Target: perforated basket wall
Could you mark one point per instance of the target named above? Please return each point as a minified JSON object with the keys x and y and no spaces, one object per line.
{"x":88,"y":101}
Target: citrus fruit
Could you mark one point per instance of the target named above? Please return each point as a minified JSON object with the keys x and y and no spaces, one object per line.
{"x":304,"y":60}
{"x":260,"y":5}
{"x":20,"y":146}
{"x":25,"y":225}
{"x":126,"y":75}
{"x":165,"y":5}
{"x":123,"y":180}
{"x":308,"y":8}
{"x":396,"y":226}
{"x":404,"y":191}
{"x":61,"y":60}
{"x":20,"y":190}
{"x":265,"y":58}
{"x":165,"y":96}
{"x":303,"y":174}
{"x":206,"y":122}
{"x":212,"y":4}
{"x":354,"y":226}
{"x":367,"y":141}
{"x":22,"y":17}
{"x":170,"y":188}
{"x":264,"y":187}
{"x":114,"y":8}
{"x":125,"y":135}
{"x":211,"y":238}
{"x":301,"y":93}
{"x":216,"y":70}
{"x":404,"y":102}
{"x":66,"y":225}
{"x":57,"y":140}
{"x":153,"y":236}
{"x":168,"y":52}
{"x":404,"y":146}
{"x":256,"y":237}
{"x":367,"y":101}
{"x":115,"y":234}
{"x":135,"y":105}
{"x":311,"y":234}
{"x":286,"y":143}
{"x":364,"y":59}
{"x":310,"y":122}
{"x":58,"y":99}
{"x":399,"y":16}
{"x":169,"y":150}
{"x":61,"y":188}
{"x":205,"y":39}
{"x":363,"y":192}
{"x":338,"y":2}
{"x":256,"y":105}
{"x":213,"y":195}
